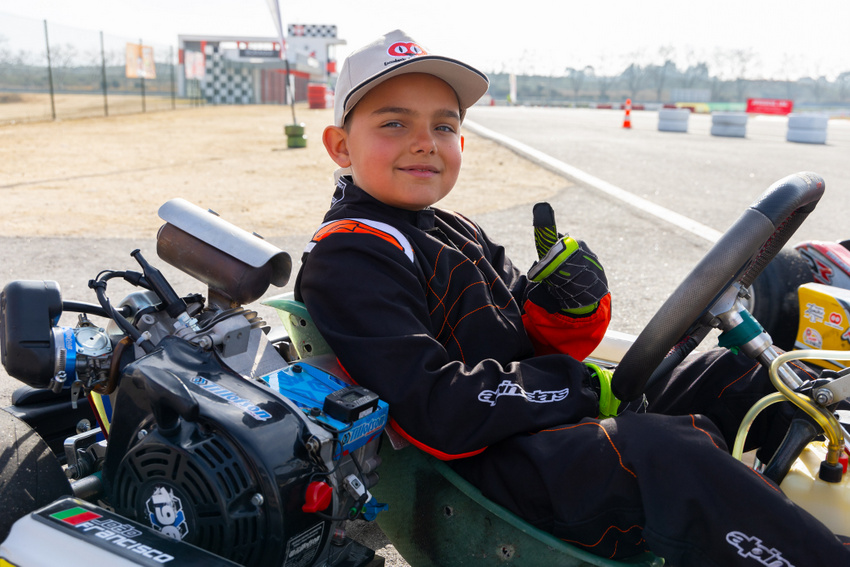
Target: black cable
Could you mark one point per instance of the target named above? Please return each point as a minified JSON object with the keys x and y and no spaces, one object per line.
{"x":99,"y":286}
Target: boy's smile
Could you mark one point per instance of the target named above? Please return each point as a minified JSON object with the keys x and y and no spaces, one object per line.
{"x":402,"y":141}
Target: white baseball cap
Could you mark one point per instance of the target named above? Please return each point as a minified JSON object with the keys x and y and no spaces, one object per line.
{"x":394,"y":54}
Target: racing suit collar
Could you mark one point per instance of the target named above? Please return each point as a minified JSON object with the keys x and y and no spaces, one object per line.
{"x":349,"y":200}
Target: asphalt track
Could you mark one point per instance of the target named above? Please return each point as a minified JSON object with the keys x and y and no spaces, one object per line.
{"x":693,"y":175}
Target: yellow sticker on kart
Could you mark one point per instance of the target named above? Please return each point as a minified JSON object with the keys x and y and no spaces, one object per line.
{"x":824,"y":320}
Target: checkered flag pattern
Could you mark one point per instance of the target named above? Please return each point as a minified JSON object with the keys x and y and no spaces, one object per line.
{"x":226,"y":84}
{"x":311,"y":30}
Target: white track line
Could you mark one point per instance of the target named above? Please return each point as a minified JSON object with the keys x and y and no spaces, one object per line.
{"x":580,"y":176}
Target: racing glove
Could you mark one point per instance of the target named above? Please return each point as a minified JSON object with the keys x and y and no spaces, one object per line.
{"x":569,"y":269}
{"x":609,"y":405}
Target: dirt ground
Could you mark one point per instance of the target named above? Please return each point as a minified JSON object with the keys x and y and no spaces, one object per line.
{"x":107,"y":177}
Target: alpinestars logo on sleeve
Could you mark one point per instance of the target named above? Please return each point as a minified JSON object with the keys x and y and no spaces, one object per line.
{"x":508,"y":388}
{"x":751,"y":547}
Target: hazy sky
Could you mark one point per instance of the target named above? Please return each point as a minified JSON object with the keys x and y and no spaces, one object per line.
{"x":787,"y":39}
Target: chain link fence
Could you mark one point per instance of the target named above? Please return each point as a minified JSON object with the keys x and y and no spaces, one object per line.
{"x":50,"y":71}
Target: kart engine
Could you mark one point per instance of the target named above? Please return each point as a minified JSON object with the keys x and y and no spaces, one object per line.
{"x":214,"y":437}
{"x":235,"y":466}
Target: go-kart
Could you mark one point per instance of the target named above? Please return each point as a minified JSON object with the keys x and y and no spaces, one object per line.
{"x":188,"y":430}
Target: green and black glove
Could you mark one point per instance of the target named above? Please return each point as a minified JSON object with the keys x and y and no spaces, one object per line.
{"x":571,"y":271}
{"x":609,"y":405}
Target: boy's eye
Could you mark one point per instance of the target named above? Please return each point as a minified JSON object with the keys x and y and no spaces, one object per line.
{"x":392,"y":124}
{"x":446,"y":128}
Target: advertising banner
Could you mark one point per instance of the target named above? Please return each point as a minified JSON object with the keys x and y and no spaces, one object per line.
{"x":193,"y":63}
{"x":769,"y":106}
{"x":139,"y":63}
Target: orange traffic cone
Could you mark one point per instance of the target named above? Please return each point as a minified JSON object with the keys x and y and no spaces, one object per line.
{"x":627,"y":121}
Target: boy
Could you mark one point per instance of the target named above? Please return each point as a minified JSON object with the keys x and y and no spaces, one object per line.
{"x":481,"y":366}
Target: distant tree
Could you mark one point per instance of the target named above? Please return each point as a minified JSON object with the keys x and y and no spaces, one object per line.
{"x":661,"y":72}
{"x":633,"y":76}
{"x":5,"y":53}
{"x":741,"y":60}
{"x":62,"y":58}
{"x":576,"y":79}
{"x":818,"y":87}
{"x":695,"y":74}
{"x":789,"y":63}
{"x":843,"y":81}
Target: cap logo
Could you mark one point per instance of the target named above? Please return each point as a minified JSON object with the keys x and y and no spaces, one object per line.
{"x":406,"y":49}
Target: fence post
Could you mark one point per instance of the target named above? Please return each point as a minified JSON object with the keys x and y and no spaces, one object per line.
{"x":103,"y":76}
{"x":49,"y":72}
{"x":171,"y":60}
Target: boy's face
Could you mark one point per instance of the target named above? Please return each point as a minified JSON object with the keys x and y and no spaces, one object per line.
{"x":402,"y":141}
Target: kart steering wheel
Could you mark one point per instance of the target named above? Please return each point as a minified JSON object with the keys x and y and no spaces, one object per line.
{"x":739,"y":255}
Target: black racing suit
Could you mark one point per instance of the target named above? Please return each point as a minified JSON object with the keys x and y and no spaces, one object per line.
{"x":422,"y":308}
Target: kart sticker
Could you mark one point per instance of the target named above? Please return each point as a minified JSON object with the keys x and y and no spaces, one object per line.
{"x":835,"y":320}
{"x":812,"y":338}
{"x":751,"y":547}
{"x":165,"y":512}
{"x":508,"y":388}
{"x":246,"y":406}
{"x":814,"y":312}
{"x":108,"y":531}
{"x":302,"y":549}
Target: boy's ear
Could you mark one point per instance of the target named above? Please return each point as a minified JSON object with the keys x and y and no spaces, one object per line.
{"x":335,"y":140}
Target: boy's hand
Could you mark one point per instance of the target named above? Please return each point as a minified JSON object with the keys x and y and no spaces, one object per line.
{"x":609,"y":405}
{"x":567,"y":266}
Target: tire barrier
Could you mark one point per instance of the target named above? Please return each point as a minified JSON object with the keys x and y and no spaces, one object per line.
{"x":807,"y":128}
{"x":729,"y":124}
{"x":673,"y":119}
{"x":627,"y":121}
{"x":295,"y":137}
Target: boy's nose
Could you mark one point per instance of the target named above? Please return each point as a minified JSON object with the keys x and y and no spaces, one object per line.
{"x":424,"y":142}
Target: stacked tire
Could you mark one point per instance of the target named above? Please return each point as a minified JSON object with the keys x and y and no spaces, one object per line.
{"x":807,"y":128}
{"x":673,"y":119}
{"x":319,"y":96}
{"x":729,"y":124}
{"x":295,"y":137}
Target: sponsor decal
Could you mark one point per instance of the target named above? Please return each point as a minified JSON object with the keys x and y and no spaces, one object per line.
{"x":246,"y":406}
{"x":116,"y":533}
{"x":406,"y":49}
{"x":835,"y":320}
{"x":812,"y":338}
{"x":302,"y":549}
{"x":165,"y":512}
{"x":823,"y":273}
{"x":814,"y":312}
{"x":846,"y":335}
{"x":75,"y":516}
{"x":752,"y":548}
{"x":365,"y":427}
{"x":508,"y":388}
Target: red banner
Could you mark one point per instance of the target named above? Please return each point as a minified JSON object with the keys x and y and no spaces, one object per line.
{"x":769,"y":106}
